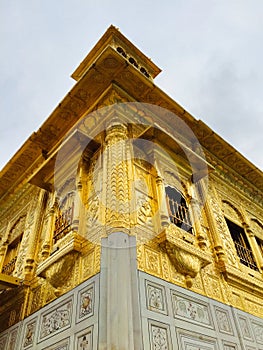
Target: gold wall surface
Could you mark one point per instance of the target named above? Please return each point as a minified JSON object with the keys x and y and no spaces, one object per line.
{"x":101,"y":163}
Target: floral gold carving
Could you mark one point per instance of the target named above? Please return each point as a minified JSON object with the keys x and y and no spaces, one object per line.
{"x":186,"y":258}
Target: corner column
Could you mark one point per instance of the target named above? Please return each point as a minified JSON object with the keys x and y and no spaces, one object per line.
{"x":119,"y":317}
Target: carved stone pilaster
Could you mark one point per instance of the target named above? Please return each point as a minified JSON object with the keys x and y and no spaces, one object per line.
{"x":116,"y":158}
{"x":194,"y":206}
{"x":161,"y":202}
{"x":33,"y":225}
{"x":50,"y":217}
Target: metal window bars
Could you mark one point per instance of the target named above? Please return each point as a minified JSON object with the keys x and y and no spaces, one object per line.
{"x":246,"y":256}
{"x":179,"y":214}
{"x":9,"y":267}
{"x":63,"y":223}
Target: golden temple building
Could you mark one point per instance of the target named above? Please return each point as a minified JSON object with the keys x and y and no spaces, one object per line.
{"x":126,"y":223}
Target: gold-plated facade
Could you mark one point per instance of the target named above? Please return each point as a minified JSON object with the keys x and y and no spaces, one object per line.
{"x":106,"y":181}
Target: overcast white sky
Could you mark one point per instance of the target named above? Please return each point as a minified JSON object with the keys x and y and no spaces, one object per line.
{"x":211,"y":54}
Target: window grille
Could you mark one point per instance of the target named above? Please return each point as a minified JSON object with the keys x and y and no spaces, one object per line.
{"x":178,"y":211}
{"x":243,"y":249}
{"x":11,"y":256}
{"x":63,"y":222}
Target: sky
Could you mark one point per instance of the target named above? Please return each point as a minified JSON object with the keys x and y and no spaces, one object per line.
{"x":210,"y":53}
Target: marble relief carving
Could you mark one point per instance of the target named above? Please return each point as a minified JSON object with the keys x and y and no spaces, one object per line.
{"x":12,"y":340}
{"x":58,"y":319}
{"x":84,"y":342}
{"x":258,"y":332}
{"x":159,"y":338}
{"x":230,"y":347}
{"x":29,"y":334}
{"x":155,"y":298}
{"x":62,"y":345}
{"x":191,"y":310}
{"x":86,"y":303}
{"x":245,"y":330}
{"x":3,"y":341}
{"x":223,"y":321}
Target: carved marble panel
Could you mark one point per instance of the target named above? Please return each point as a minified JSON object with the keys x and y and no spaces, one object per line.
{"x":86,"y":302}
{"x":223,"y":321}
{"x":155,"y":297}
{"x":193,"y":341}
{"x":230,"y":347}
{"x":84,"y":339}
{"x":159,"y":336}
{"x":12,"y":339}
{"x":245,"y":328}
{"x":258,"y":332}
{"x":56,"y":320}
{"x":3,"y":341}
{"x":29,"y":334}
{"x":197,"y":312}
{"x":62,"y":345}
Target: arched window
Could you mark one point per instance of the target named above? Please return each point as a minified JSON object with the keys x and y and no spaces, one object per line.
{"x":177,"y":208}
{"x":242,"y":245}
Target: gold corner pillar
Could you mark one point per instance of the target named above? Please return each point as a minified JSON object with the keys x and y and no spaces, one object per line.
{"x":119,"y":316}
{"x":117,"y":167}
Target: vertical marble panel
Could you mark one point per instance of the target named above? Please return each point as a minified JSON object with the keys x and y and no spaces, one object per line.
{"x":3,"y":341}
{"x":258,"y":332}
{"x":29,"y":334}
{"x":86,"y":299}
{"x":155,"y":297}
{"x":223,"y":321}
{"x":159,"y":336}
{"x":12,"y":339}
{"x":84,"y":339}
{"x":245,"y":328}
